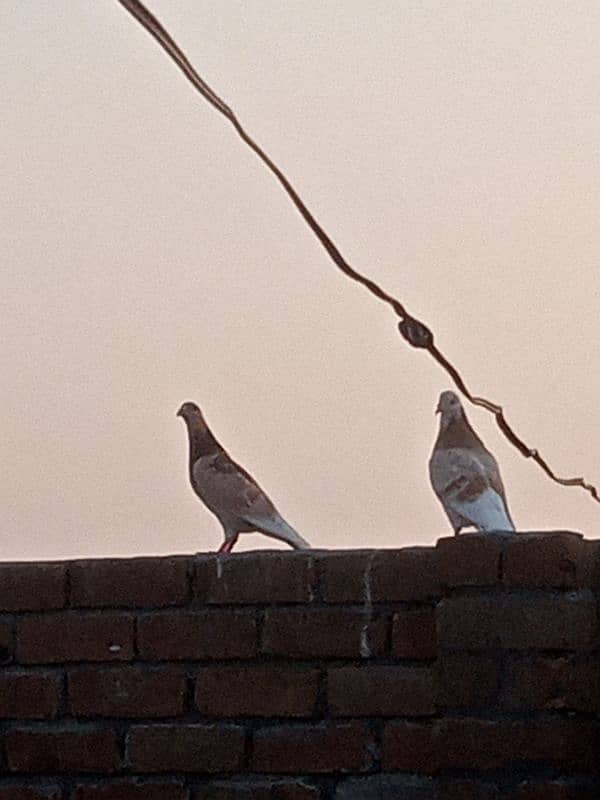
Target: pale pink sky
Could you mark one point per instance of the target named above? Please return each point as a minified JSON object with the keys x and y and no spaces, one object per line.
{"x":451,"y":150}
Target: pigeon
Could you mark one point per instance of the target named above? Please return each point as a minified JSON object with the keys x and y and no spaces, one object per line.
{"x":228,"y":490}
{"x":464,"y":475}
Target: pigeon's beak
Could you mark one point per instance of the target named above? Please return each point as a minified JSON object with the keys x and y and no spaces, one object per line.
{"x":438,"y":410}
{"x":179,"y":414}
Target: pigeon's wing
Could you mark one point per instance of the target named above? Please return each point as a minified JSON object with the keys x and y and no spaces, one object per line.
{"x":229,"y":491}
{"x":461,"y":481}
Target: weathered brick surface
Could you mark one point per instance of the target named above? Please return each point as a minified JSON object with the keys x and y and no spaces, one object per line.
{"x":186,"y":748}
{"x":62,"y":751}
{"x":468,"y":680}
{"x":7,"y":641}
{"x":545,"y":621}
{"x":323,"y":633}
{"x":471,"y":559}
{"x":547,"y":683}
{"x":259,"y":577}
{"x":126,"y":692}
{"x":130,"y":582}
{"x":414,"y":634}
{"x":25,"y":791}
{"x":381,"y":691}
{"x":257,"y":691}
{"x":408,"y":575}
{"x":132,"y":790}
{"x":32,"y":587}
{"x":180,"y":635}
{"x":257,"y":790}
{"x":26,"y":695}
{"x":323,"y":748}
{"x":69,"y":636}
{"x":465,"y":671}
{"x":387,"y":787}
{"x":546,"y":560}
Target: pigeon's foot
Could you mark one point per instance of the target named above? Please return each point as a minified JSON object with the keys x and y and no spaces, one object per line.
{"x":227,"y":545}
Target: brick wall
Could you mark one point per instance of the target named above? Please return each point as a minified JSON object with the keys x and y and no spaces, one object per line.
{"x":466,"y":671}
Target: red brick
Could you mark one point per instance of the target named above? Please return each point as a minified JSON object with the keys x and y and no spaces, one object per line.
{"x":467,"y":680}
{"x":408,"y":575}
{"x":545,"y":621}
{"x":132,"y":790}
{"x":547,"y":683}
{"x":25,"y":791}
{"x":7,"y":641}
{"x":323,"y":633}
{"x":126,"y":692}
{"x":130,"y":582}
{"x":313,"y":748}
{"x":182,"y":635}
{"x":33,"y":695}
{"x":258,"y":577}
{"x":257,"y":691}
{"x":342,"y":575}
{"x":257,"y":790}
{"x":471,"y":559}
{"x":381,"y":690}
{"x":186,"y":748}
{"x":58,"y":751}
{"x":32,"y":587}
{"x":414,"y":634}
{"x":545,"y":560}
{"x":71,"y":636}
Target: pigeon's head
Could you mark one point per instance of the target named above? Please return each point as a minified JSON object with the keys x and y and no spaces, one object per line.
{"x":450,"y":407}
{"x":192,"y":415}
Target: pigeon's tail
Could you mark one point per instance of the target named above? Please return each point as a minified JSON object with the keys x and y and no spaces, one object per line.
{"x":488,"y":512}
{"x":278,"y":528}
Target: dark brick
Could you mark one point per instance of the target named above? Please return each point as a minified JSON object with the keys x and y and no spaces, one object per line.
{"x":132,"y":790}
{"x":546,"y":621}
{"x":409,"y":746}
{"x":464,"y":743}
{"x":553,"y":790}
{"x":186,"y":748}
{"x":58,"y":751}
{"x":257,"y":790}
{"x":7,"y":641}
{"x":469,"y":790}
{"x":381,"y":690}
{"x":130,"y":582}
{"x":313,"y":748}
{"x":342,"y":575}
{"x":182,"y":635}
{"x":387,"y":787}
{"x":323,"y":633}
{"x":471,"y":559}
{"x":70,"y":636}
{"x":414,"y":634}
{"x":126,"y":692}
{"x":25,"y":791}
{"x":408,"y":575}
{"x":467,"y":680}
{"x":33,"y":695}
{"x":257,"y":577}
{"x":257,"y":691}
{"x":588,"y":566}
{"x":544,"y":560}
{"x":32,"y":587}
{"x":552,"y":684}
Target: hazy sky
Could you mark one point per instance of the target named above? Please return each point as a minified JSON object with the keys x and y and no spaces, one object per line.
{"x":451,"y":150}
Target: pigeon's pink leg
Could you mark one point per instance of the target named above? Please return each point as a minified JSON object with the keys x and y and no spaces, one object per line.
{"x":227,"y":545}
